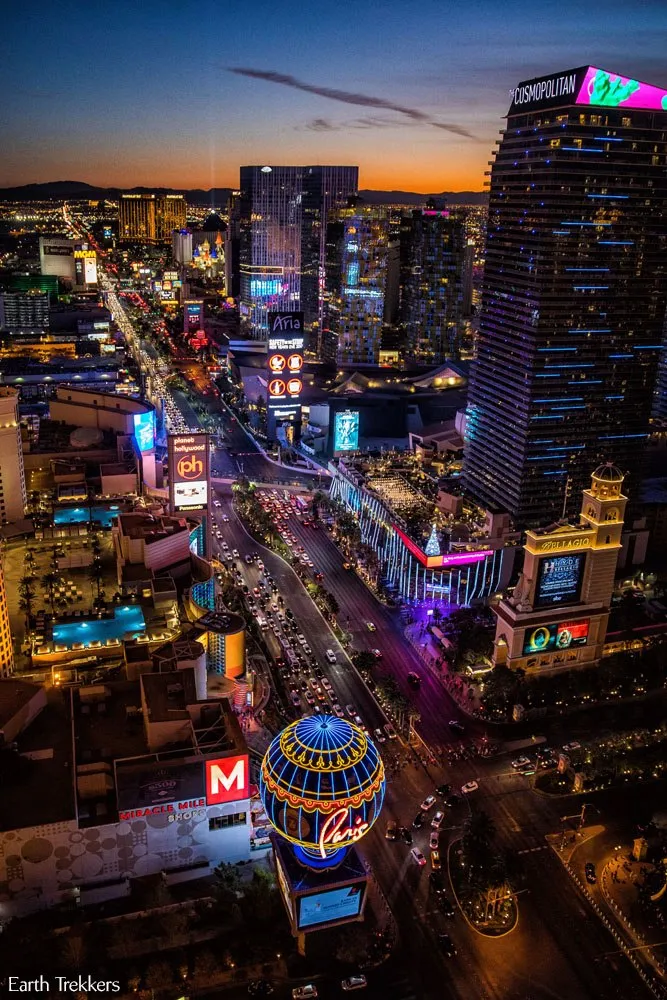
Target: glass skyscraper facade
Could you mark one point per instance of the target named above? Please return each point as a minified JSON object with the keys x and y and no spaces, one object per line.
{"x":282,"y":223}
{"x":357,"y":267}
{"x":433,"y":256}
{"x":573,"y":300}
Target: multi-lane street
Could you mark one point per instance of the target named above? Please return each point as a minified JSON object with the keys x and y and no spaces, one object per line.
{"x":556,"y":923}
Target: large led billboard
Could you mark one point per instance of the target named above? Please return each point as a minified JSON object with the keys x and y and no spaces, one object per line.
{"x":330,"y":905}
{"x":193,"y":314}
{"x":346,"y":430}
{"x":559,"y":579}
{"x":189,"y":477}
{"x":586,"y":85}
{"x":284,"y":361}
{"x":550,"y":638}
{"x":144,"y":430}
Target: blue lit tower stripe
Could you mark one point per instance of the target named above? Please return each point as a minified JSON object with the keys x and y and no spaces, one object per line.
{"x":572,"y":305}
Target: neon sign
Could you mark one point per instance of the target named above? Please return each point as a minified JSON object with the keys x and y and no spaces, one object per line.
{"x":442,"y":561}
{"x":333,"y":831}
{"x":608,"y":90}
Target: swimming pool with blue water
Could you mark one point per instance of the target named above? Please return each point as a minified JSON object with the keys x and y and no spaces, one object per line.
{"x":126,"y":623}
{"x":81,"y":515}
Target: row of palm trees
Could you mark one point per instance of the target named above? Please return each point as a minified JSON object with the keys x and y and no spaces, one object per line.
{"x":49,"y":581}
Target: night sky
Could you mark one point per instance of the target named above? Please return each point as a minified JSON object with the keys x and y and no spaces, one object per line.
{"x":145,"y":93}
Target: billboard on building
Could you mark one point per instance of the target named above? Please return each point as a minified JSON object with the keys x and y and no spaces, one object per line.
{"x":189,"y":476}
{"x":551,"y":638}
{"x":144,"y":430}
{"x":346,"y":430}
{"x":559,"y":579}
{"x":330,"y":906}
{"x":193,"y":315}
{"x":227,"y":779}
{"x":284,"y":361}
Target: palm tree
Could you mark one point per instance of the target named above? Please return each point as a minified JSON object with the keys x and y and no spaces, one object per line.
{"x":95,"y":574}
{"x":27,"y":595}
{"x":49,"y":581}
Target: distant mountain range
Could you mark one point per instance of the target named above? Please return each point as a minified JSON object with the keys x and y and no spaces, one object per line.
{"x":77,"y":190}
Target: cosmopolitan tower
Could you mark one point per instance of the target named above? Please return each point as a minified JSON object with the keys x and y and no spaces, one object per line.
{"x":573,"y":300}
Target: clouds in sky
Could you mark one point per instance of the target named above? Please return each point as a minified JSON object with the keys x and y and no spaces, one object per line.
{"x":414,"y":115}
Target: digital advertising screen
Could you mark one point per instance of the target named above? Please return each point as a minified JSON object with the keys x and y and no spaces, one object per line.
{"x":90,"y":270}
{"x":189,"y":475}
{"x":193,"y":315}
{"x":284,"y":359}
{"x":559,"y":579}
{"x":144,"y":430}
{"x":330,"y":905}
{"x":551,"y":638}
{"x":346,"y":430}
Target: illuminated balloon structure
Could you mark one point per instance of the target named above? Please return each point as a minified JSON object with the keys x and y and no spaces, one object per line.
{"x":322,"y":785}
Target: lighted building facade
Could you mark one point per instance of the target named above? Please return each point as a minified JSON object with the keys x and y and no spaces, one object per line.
{"x":557,"y":616}
{"x":137,"y":218}
{"x":12,"y":476}
{"x":171,"y":215}
{"x":433,"y":256}
{"x":270,"y":244}
{"x":573,"y":299}
{"x":24,"y":312}
{"x":6,"y":648}
{"x":357,"y":264}
{"x":324,"y":189}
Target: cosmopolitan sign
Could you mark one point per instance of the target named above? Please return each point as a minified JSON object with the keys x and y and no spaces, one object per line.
{"x":443,"y":561}
{"x":537,"y":91}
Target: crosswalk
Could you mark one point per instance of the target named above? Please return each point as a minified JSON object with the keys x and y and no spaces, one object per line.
{"x":532,"y":850}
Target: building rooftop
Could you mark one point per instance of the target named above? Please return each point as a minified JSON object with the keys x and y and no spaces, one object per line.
{"x":151,"y":527}
{"x":37,"y":780}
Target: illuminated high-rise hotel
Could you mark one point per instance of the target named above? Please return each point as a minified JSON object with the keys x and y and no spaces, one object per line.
{"x":149,"y":218}
{"x":433,"y":258}
{"x":573,"y":299}
{"x":12,"y":475}
{"x":282,"y":213}
{"x":357,"y":267}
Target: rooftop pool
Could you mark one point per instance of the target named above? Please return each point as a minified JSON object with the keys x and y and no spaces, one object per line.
{"x":81,"y":515}
{"x":127,"y":622}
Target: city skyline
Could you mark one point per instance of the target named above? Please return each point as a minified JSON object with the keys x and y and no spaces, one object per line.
{"x":416,"y":103}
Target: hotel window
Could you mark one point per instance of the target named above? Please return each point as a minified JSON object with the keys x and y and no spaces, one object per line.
{"x":222,"y":822}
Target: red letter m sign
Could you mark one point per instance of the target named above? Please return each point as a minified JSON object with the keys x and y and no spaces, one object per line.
{"x":226,"y":780}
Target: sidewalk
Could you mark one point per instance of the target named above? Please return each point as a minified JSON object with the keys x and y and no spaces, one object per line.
{"x":455,"y":684}
{"x":619,"y":884}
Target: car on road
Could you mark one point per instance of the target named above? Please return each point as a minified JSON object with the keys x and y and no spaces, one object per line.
{"x":338,"y":711}
{"x":248,"y":560}
{"x":446,"y":945}
{"x":470,"y":786}
{"x":419,"y":820}
{"x":326,"y":683}
{"x":436,"y":882}
{"x":406,"y":835}
{"x":391,"y":832}
{"x":456,"y":726}
{"x":520,"y":762}
{"x":414,"y":680}
{"x":330,"y":655}
{"x":309,"y":698}
{"x":436,"y":822}
{"x":357,"y":982}
{"x":379,"y":736}
{"x":434,"y":840}
{"x":444,"y":905}
{"x":390,"y":731}
{"x":306,"y":992}
{"x":351,"y":710}
{"x":428,"y":803}
{"x":236,"y":553}
{"x":572,"y":746}
{"x":417,"y":856}
{"x":436,"y":864}
{"x":371,"y":626}
{"x":591,"y":876}
{"x":444,"y":790}
{"x":377,"y":653}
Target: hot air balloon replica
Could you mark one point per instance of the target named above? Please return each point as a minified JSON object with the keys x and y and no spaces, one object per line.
{"x":322,"y":784}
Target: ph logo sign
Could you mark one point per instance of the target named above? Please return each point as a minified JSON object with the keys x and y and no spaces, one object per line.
{"x":227,"y":780}
{"x":190,"y":467}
